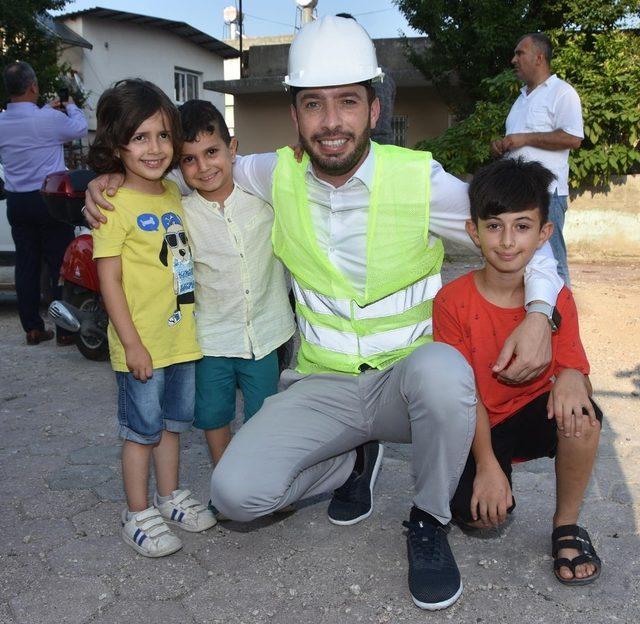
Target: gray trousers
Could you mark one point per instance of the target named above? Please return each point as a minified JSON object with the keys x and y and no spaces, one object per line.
{"x":301,"y":442}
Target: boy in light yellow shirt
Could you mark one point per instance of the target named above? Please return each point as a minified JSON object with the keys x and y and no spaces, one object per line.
{"x":242,"y":309}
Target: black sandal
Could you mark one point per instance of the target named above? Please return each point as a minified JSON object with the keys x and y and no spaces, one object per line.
{"x":582,"y":542}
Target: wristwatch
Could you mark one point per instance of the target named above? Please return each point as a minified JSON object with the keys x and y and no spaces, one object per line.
{"x":549,"y":311}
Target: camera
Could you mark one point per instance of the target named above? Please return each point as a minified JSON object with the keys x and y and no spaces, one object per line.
{"x":63,"y":95}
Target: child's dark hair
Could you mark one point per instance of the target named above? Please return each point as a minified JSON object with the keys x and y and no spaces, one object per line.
{"x":121,"y":110}
{"x":510,"y":185}
{"x":200,"y":116}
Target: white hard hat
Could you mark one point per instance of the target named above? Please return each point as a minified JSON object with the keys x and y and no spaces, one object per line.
{"x":331,"y":51}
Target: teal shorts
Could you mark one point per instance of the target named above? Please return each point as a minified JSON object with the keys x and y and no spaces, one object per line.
{"x":217,"y":379}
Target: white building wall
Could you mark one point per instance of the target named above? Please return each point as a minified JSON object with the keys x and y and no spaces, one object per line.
{"x":122,"y":50}
{"x":231,"y":72}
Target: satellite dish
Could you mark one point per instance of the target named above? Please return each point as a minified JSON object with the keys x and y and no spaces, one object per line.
{"x":230,"y":15}
{"x":307,"y":4}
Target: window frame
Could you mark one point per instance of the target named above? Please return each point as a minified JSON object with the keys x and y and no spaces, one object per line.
{"x":186,"y":84}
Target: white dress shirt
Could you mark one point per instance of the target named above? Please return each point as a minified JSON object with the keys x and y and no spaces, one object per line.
{"x":242,"y":304}
{"x":552,"y":105}
{"x":340,"y":217}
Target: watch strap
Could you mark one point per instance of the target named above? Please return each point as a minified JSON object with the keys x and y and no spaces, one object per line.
{"x":540,"y":306}
{"x":546,"y":309}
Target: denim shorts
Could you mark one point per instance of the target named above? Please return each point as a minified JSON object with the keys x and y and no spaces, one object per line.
{"x":166,"y":401}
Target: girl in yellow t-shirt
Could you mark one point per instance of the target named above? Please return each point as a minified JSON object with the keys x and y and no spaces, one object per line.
{"x":146,"y":280}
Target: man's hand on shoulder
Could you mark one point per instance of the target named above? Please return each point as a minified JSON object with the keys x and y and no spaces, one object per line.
{"x":526,"y":352}
{"x":94,"y":199}
{"x":568,"y":402}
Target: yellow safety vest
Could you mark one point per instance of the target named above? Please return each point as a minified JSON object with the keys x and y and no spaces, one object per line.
{"x":342,"y":329}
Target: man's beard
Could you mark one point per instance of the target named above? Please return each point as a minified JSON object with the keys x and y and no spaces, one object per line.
{"x":333,"y":165}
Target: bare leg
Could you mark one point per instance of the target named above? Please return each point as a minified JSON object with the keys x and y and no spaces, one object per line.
{"x":217,"y":440}
{"x":135,"y":474}
{"x":166,"y":461}
{"x":574,"y":462}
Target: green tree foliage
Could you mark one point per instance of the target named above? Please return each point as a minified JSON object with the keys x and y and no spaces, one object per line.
{"x":471,"y":40}
{"x":591,"y":52}
{"x":23,"y":39}
{"x":605,"y":70}
{"x":465,"y":146}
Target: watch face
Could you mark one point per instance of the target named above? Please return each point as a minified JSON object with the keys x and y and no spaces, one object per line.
{"x":556,"y":318}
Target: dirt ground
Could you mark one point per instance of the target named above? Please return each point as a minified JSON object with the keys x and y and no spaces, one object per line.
{"x":62,"y":560}
{"x":608,"y":300}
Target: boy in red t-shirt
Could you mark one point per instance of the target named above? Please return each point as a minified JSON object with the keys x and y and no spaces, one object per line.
{"x":550,"y":416}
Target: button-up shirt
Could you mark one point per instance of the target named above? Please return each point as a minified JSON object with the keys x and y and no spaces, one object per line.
{"x":340,"y":218}
{"x":31,"y":141}
{"x":242,"y":304}
{"x":552,"y":105}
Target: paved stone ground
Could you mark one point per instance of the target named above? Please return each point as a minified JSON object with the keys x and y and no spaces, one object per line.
{"x":62,"y":560}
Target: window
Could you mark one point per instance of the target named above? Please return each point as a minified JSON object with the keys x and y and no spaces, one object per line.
{"x":399,"y":125}
{"x":186,"y":85}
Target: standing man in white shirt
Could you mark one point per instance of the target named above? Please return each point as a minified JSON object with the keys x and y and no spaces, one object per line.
{"x":544,"y":123}
{"x":31,"y":147}
{"x":354,"y":224}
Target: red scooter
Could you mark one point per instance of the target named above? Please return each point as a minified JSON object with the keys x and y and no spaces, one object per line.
{"x":81,"y":309}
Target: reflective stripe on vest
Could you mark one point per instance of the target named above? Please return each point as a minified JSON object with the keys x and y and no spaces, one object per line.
{"x":342,"y":327}
{"x":396,"y":303}
{"x":364,"y":346}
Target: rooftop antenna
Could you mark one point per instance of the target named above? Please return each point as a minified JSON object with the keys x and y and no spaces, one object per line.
{"x":305,"y":12}
{"x":233,"y":18}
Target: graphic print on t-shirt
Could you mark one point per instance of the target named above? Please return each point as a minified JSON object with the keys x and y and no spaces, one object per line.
{"x":175,"y":240}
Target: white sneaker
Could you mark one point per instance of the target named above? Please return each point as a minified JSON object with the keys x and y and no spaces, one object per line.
{"x":185,"y":511}
{"x":148,"y":534}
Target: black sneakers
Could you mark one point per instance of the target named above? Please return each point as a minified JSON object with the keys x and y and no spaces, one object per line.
{"x":434,"y":578}
{"x":353,"y":501}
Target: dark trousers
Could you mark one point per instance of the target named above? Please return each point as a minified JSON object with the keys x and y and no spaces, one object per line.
{"x":527,"y":434}
{"x":37,"y":236}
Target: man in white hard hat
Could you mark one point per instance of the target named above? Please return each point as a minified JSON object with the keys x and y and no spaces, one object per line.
{"x":353,"y":224}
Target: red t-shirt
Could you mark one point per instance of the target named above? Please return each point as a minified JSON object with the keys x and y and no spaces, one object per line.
{"x":463,"y":318}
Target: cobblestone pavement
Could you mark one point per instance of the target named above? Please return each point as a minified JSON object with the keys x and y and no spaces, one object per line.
{"x":62,"y":560}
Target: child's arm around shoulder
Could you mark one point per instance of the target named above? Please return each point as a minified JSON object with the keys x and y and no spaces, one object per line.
{"x":137,"y":357}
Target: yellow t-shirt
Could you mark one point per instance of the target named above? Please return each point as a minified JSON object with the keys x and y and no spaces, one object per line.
{"x":147,"y":232}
